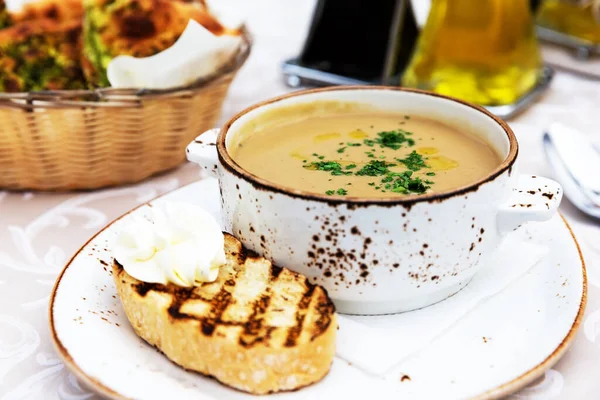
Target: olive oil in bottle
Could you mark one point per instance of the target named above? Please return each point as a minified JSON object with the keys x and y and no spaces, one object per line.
{"x":482,"y":51}
{"x":579,"y":18}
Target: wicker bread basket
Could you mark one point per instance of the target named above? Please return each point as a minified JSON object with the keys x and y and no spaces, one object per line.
{"x":65,"y":140}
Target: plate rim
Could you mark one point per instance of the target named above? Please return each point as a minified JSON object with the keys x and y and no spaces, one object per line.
{"x":495,"y":393}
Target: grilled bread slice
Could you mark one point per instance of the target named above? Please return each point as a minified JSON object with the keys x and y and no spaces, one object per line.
{"x":258,"y":328}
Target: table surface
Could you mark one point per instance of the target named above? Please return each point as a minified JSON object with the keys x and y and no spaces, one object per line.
{"x":39,"y":232}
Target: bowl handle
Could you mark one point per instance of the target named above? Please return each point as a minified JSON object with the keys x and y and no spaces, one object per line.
{"x":533,"y":199}
{"x":203,"y":151}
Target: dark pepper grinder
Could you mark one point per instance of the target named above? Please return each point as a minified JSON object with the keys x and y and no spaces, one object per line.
{"x":355,"y":42}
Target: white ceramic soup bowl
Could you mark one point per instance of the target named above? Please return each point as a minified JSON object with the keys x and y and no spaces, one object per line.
{"x":377,"y":256}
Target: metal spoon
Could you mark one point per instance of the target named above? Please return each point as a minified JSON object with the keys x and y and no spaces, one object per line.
{"x":576,"y":164}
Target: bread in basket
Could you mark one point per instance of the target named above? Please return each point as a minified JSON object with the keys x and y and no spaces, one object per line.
{"x":55,"y":136}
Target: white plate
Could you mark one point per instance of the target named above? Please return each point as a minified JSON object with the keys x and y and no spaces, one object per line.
{"x":499,"y":347}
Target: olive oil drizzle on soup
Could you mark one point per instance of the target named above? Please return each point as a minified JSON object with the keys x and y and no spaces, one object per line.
{"x":366,"y":155}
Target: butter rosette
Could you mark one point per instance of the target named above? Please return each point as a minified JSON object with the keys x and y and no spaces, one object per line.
{"x":180,"y":244}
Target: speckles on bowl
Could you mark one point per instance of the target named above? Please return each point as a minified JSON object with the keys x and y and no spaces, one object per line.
{"x":350,"y":249}
{"x":338,"y":265}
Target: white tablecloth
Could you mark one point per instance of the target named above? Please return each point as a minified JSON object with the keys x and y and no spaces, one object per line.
{"x":39,"y":232}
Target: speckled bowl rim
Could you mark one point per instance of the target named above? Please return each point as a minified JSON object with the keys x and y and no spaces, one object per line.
{"x":231,"y":165}
{"x":496,"y":393}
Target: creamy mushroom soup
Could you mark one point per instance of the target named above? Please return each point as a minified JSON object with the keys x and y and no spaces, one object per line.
{"x":371,"y":155}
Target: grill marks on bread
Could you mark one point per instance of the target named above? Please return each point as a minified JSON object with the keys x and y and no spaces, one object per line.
{"x":252,"y":301}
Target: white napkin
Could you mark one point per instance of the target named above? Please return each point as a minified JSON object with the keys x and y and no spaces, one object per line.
{"x":196,"y":54}
{"x":376,"y":344}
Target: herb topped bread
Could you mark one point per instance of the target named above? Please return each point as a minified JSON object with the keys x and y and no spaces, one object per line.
{"x":40,"y":47}
{"x":40,"y":54}
{"x":139,"y":28}
{"x":57,"y":10}
{"x":5,"y":17}
{"x":68,"y":44}
{"x":258,"y":328}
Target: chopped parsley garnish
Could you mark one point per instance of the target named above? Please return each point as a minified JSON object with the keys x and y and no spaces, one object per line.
{"x":414,"y":161}
{"x":330,"y":166}
{"x":375,"y":168}
{"x":340,"y":191}
{"x":393,"y":139}
{"x":406,"y":117}
{"x":404,"y":182}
